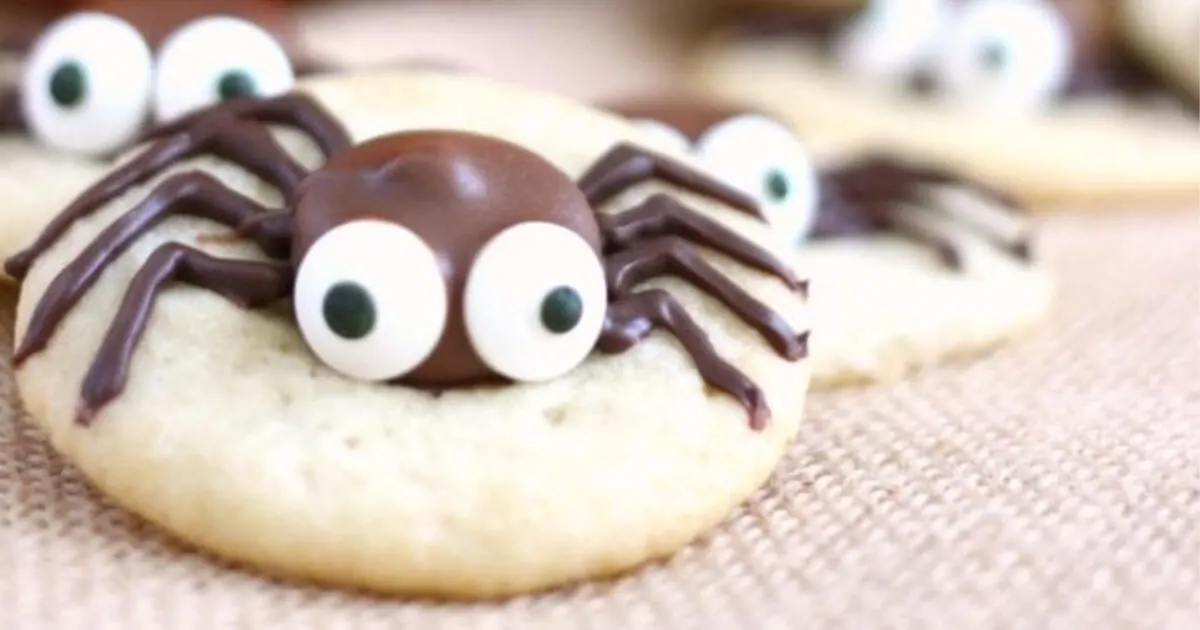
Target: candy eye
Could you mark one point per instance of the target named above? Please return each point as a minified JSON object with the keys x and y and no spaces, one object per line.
{"x":370,"y":300}
{"x":763,"y":158}
{"x":534,"y":301}
{"x":663,"y":136}
{"x":889,"y":39}
{"x":215,"y":59}
{"x":86,"y":86}
{"x":1005,"y":55}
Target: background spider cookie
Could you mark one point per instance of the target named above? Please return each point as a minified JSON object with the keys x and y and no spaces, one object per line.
{"x":1167,"y":34}
{"x":95,"y":78}
{"x":1037,"y":97}
{"x":298,"y":440}
{"x":910,"y":265}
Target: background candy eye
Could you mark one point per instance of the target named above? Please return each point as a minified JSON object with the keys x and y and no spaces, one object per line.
{"x":662,"y":136}
{"x":370,"y":300}
{"x":889,"y":39}
{"x":765,"y":159}
{"x":214,"y":59}
{"x":1005,"y":55}
{"x":86,"y":86}
{"x":534,"y":301}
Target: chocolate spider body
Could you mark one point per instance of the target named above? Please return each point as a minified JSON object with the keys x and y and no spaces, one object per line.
{"x":868,"y":195}
{"x":455,"y":213}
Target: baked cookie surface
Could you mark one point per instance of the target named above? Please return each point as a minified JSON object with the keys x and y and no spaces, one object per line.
{"x":234,"y":436}
{"x":1044,"y":120}
{"x":909,"y":265}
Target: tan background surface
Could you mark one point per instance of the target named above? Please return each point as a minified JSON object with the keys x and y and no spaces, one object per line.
{"x":1054,"y":485}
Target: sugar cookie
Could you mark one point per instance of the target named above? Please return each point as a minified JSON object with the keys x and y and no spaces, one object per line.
{"x":909,"y":265}
{"x":263,"y":435}
{"x":1031,"y":96}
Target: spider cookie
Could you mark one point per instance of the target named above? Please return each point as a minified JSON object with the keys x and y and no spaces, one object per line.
{"x":1036,"y":97}
{"x":910,"y":265}
{"x":408,"y":343}
{"x":1167,"y":34}
{"x":94,"y":79}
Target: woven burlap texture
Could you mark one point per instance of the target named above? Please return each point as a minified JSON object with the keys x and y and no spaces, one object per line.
{"x":1053,"y":485}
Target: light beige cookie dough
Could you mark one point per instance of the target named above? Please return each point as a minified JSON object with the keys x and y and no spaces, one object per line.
{"x":235,"y":438}
{"x":35,"y":183}
{"x":1167,"y":33}
{"x":884,"y":306}
{"x":1092,"y":153}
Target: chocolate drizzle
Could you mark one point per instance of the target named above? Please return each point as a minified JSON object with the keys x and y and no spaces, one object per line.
{"x":880,"y":193}
{"x":428,"y":182}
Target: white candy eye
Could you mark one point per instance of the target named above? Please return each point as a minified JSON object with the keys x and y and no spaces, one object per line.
{"x":1005,"y":55}
{"x":890,"y":39}
{"x":214,"y":59}
{"x":663,"y":136}
{"x":764,"y":159}
{"x":370,"y":300}
{"x":534,"y":301}
{"x":86,"y":86}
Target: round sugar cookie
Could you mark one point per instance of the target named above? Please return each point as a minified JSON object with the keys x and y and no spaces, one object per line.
{"x":233,"y":436}
{"x":884,"y":300}
{"x":846,"y":85}
{"x":1167,"y":34}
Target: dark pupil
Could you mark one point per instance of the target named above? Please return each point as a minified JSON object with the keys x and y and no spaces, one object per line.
{"x":235,"y":84}
{"x":68,"y":84}
{"x":777,"y":186}
{"x":349,"y":310}
{"x":562,"y":309}
{"x":993,"y":56}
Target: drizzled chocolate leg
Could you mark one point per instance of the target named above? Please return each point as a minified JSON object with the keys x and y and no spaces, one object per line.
{"x":247,"y":283}
{"x":246,"y":144}
{"x":625,"y":166}
{"x":661,"y":215}
{"x":984,"y":215}
{"x":675,"y":256}
{"x":632,"y":318}
{"x":192,"y":194}
{"x":290,"y":110}
{"x":922,"y":230}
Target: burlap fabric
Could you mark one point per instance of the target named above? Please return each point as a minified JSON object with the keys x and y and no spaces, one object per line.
{"x":1054,"y":485}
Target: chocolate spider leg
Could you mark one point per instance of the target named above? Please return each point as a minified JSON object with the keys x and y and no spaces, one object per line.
{"x":290,"y":110}
{"x":662,"y":215}
{"x":631,"y":318}
{"x":247,"y":283}
{"x":672,"y":255}
{"x":990,"y":214}
{"x":190,"y":194}
{"x":916,"y":224}
{"x":981,"y":213}
{"x":626,"y":165}
{"x":246,"y":144}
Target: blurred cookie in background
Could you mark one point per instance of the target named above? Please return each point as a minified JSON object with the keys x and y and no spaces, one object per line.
{"x":1037,"y":97}
{"x":1167,"y":34}
{"x":578,"y":48}
{"x":910,"y":266}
